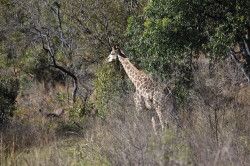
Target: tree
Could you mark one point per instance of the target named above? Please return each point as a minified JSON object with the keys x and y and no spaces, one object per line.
{"x":51,"y":39}
{"x":168,"y":34}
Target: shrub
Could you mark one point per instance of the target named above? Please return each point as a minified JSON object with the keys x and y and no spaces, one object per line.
{"x":108,"y":85}
{"x":8,"y":93}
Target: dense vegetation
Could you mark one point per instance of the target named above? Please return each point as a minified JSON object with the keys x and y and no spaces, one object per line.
{"x":169,"y":34}
{"x":9,"y":91}
{"x":57,"y":91}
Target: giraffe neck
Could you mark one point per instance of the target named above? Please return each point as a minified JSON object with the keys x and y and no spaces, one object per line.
{"x":132,"y":72}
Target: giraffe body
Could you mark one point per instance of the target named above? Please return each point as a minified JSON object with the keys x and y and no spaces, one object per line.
{"x":149,"y":94}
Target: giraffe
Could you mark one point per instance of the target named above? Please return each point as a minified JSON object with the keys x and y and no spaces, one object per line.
{"x":149,"y":93}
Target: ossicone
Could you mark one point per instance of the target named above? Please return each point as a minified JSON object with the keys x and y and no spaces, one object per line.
{"x":116,"y":47}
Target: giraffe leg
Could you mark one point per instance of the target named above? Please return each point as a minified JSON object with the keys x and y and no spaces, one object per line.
{"x":158,"y":108}
{"x":148,"y":103}
{"x":159,"y":113}
{"x":153,"y":124}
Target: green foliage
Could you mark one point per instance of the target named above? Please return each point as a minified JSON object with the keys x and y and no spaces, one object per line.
{"x":166,"y":36}
{"x":108,"y":85}
{"x":36,"y":62}
{"x":8,"y":93}
{"x":76,"y":111}
{"x":61,"y":97}
{"x":2,"y":61}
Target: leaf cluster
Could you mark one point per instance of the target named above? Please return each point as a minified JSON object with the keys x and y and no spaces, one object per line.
{"x":165,"y":38}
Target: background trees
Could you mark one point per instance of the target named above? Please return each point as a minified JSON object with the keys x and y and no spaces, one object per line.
{"x":58,"y":41}
{"x":169,"y":34}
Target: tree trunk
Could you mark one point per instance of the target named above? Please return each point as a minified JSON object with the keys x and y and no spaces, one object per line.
{"x":72,"y":76}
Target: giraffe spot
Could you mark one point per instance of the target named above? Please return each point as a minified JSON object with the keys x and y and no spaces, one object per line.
{"x":147,"y":90}
{"x":131,"y":75}
{"x":136,"y":83}
{"x":145,"y":79}
{"x":140,"y":85}
{"x":149,"y":86}
{"x":125,"y":63}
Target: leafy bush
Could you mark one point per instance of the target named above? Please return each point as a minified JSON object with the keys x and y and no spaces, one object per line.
{"x":8,"y":93}
{"x":168,"y":34}
{"x":108,"y":85}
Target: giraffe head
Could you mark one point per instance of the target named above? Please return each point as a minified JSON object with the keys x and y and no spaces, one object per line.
{"x":115,"y":53}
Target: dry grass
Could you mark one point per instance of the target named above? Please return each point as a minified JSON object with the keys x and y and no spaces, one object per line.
{"x":214,"y":130}
{"x":61,"y":153}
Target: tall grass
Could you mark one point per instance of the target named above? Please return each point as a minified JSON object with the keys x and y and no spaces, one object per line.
{"x":214,"y":130}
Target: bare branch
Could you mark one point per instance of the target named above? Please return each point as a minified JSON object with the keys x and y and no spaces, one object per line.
{"x":47,"y":46}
